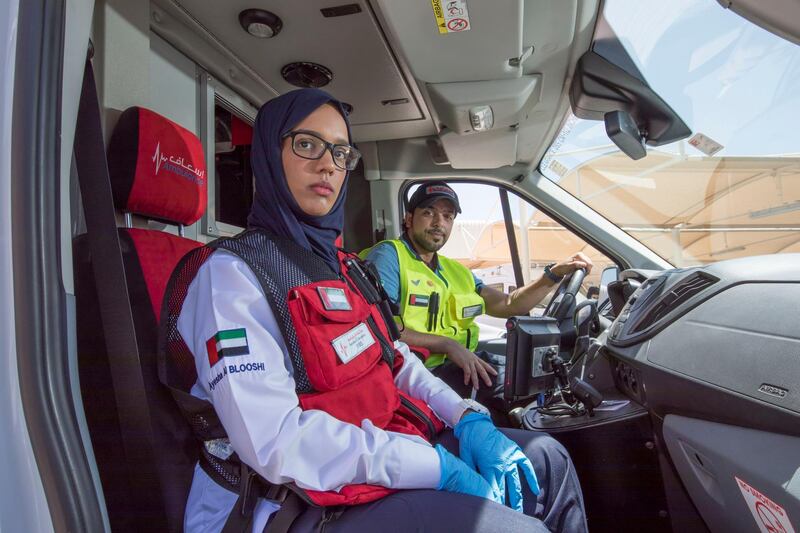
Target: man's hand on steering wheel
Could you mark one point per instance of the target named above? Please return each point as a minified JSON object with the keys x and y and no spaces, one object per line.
{"x":565,"y":268}
{"x":573,"y":271}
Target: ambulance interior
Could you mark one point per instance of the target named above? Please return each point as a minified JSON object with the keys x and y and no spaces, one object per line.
{"x":567,"y":116}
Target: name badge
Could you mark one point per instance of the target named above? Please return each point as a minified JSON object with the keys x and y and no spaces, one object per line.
{"x":471,"y":311}
{"x":334,"y":299}
{"x":350,"y":345}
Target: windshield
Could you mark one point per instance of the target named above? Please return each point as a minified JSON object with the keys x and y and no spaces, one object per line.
{"x":732,"y":192}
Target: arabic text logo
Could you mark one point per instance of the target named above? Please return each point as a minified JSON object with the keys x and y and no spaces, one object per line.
{"x":178,"y":165}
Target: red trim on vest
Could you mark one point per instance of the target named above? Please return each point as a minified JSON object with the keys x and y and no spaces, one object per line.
{"x":158,"y":254}
{"x":171,"y":179}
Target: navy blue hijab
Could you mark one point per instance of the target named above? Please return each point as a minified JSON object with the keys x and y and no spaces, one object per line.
{"x":274,"y":208}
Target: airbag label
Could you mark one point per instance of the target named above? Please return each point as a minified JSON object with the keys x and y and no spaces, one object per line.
{"x":452,"y":16}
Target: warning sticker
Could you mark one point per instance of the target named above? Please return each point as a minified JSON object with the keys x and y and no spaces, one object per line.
{"x":705,"y":144}
{"x":451,"y":15}
{"x":558,"y":168}
{"x":770,"y":517}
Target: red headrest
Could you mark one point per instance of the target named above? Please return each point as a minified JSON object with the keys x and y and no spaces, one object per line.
{"x":157,"y":168}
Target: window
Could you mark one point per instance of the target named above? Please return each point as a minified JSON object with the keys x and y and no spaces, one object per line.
{"x":695,"y":202}
{"x":226,"y":130}
{"x":479,"y":241}
{"x":233,"y":190}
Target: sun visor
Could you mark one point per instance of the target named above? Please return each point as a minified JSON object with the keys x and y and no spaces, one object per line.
{"x":458,"y":40}
{"x":510,"y":101}
{"x":491,"y":149}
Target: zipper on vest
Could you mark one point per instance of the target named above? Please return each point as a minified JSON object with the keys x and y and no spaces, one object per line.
{"x":469,"y":335}
{"x":417,"y":412}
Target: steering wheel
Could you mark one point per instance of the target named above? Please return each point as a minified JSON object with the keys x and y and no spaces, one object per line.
{"x":563,"y":301}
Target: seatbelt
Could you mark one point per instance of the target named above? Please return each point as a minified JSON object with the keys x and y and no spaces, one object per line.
{"x":112,"y":289}
{"x":251,"y":487}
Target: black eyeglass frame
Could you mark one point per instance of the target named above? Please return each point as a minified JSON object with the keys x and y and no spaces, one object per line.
{"x":328,"y":147}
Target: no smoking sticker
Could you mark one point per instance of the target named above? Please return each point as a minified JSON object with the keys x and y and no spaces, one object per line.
{"x":770,"y":517}
{"x":451,"y":15}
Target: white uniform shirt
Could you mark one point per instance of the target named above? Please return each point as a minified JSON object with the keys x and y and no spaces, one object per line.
{"x":254,"y":397}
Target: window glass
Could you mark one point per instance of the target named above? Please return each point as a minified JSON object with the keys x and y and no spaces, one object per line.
{"x":733,"y":192}
{"x":234,"y":176}
{"x":479,"y":241}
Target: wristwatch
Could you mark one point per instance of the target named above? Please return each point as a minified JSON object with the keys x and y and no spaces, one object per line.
{"x":472,"y":405}
{"x":555,"y":278}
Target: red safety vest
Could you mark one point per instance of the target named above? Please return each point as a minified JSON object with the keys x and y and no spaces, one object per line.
{"x":341,"y":343}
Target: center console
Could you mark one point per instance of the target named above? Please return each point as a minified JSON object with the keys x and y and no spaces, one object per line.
{"x":608,"y":436}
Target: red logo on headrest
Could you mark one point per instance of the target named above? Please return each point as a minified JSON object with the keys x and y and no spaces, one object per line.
{"x":177,"y":165}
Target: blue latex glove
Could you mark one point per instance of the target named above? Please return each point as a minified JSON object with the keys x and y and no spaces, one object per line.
{"x":495,"y":456}
{"x":458,"y":477}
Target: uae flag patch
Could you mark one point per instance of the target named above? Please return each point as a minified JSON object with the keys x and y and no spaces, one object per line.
{"x":226,"y":343}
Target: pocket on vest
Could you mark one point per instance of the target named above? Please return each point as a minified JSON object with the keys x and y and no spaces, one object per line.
{"x":336,"y":343}
{"x":465,"y":307}
{"x":373,"y":396}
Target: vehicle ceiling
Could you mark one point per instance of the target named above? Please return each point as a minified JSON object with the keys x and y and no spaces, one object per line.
{"x":403,"y":78}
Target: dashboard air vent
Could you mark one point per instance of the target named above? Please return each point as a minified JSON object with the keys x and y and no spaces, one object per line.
{"x":673,"y":298}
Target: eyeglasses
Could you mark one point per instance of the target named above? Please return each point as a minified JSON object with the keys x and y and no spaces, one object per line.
{"x":309,"y":146}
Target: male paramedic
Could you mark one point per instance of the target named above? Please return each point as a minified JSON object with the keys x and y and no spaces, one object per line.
{"x":436,"y":299}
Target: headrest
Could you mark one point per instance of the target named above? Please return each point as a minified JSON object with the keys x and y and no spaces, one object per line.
{"x":157,"y":168}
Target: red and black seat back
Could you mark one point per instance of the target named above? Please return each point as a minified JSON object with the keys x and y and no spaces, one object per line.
{"x":157,"y":170}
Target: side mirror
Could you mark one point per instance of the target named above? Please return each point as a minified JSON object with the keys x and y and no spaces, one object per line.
{"x":609,"y":274}
{"x":623,"y":131}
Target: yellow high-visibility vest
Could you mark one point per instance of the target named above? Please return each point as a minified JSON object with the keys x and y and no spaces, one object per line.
{"x":459,"y":304}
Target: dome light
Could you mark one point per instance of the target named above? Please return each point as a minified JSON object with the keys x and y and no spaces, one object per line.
{"x":260,"y":23}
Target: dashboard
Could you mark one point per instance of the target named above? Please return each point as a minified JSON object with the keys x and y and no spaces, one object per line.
{"x":721,"y":341}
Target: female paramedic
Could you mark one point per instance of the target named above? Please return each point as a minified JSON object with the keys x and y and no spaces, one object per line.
{"x":310,"y":413}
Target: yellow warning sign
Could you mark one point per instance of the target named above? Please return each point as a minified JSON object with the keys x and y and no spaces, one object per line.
{"x":451,"y":15}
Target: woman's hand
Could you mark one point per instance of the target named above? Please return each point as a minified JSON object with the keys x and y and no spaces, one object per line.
{"x":456,"y":476}
{"x":496,"y":457}
{"x":475,"y":369}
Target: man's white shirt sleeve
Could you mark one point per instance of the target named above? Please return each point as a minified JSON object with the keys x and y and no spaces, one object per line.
{"x":259,"y":408}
